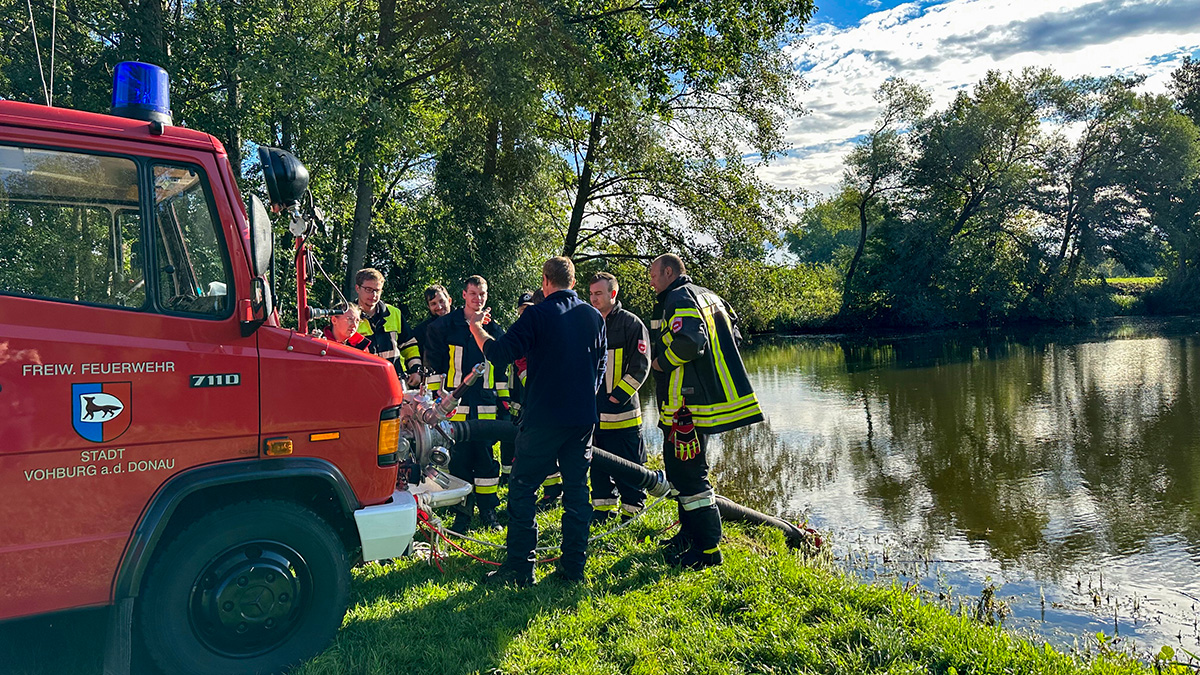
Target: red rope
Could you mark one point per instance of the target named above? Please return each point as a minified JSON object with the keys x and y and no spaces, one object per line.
{"x":448,"y":540}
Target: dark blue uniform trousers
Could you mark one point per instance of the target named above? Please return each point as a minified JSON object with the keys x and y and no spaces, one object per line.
{"x":540,"y":452}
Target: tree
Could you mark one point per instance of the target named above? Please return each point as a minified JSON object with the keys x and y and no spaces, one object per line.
{"x":880,"y":162}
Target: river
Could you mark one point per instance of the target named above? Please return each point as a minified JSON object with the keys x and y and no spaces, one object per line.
{"x":1059,"y":468}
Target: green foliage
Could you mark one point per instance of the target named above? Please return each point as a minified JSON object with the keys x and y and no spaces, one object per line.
{"x":990,"y":214}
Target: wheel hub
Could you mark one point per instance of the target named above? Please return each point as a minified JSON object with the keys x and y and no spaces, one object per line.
{"x":249,"y":598}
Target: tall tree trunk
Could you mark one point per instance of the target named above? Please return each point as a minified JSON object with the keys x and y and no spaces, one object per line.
{"x":584,"y":193}
{"x":387,"y":23}
{"x":491,"y":147}
{"x":288,"y":133}
{"x":152,"y":37}
{"x":364,"y":199}
{"x":233,"y":115}
{"x":862,"y":244}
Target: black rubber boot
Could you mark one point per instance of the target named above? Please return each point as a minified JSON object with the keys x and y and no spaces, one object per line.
{"x":509,"y":576}
{"x":704,"y":524}
{"x":487,"y":518}
{"x":462,"y":523}
{"x":674,"y":548}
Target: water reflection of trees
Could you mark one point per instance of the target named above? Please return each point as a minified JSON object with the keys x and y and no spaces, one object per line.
{"x":1048,"y":449}
{"x":757,"y":468}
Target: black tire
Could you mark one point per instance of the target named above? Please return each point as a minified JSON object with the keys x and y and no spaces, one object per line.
{"x":253,"y":587}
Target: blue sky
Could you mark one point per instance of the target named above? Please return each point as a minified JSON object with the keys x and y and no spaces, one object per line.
{"x":851,"y":47}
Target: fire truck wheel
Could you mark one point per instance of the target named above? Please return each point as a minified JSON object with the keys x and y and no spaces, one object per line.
{"x":252,"y":587}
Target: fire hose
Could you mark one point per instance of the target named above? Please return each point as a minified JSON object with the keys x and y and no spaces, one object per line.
{"x":653,"y":482}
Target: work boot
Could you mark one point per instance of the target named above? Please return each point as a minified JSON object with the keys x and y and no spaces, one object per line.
{"x":462,"y":523}
{"x":674,"y":548}
{"x":564,"y":577}
{"x":508,"y":576}
{"x":696,"y":559}
{"x":601,"y":517}
{"x":488,"y":519}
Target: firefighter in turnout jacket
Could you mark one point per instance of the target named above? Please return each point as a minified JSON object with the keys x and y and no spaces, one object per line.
{"x":437,"y":298}
{"x":620,"y":428}
{"x":702,"y":389}
{"x":452,"y":354}
{"x":381,"y":322}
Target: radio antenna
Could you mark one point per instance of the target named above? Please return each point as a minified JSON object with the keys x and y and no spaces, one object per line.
{"x":53,"y":41}
{"x":38,"y":50}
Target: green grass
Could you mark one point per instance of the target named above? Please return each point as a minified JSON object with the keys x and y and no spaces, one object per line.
{"x":767,"y":610}
{"x":1135,"y":286}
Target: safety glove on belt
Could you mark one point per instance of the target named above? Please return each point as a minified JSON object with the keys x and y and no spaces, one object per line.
{"x":683,"y":434}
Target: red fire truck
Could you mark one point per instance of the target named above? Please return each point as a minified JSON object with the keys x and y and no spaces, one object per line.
{"x":166,"y":446}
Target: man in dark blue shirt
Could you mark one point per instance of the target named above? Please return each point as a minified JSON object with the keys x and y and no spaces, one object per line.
{"x":564,"y":343}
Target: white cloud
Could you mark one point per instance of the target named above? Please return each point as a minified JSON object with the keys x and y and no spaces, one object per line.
{"x":947,"y":46}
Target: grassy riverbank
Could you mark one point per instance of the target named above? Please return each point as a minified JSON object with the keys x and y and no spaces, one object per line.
{"x":767,"y":610}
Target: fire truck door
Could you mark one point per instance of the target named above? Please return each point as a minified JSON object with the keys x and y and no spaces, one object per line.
{"x":121,"y":359}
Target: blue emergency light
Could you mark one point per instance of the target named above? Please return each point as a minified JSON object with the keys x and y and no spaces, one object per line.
{"x":141,"y":91}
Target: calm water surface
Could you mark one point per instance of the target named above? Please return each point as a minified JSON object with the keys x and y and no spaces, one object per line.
{"x":1061,"y":466}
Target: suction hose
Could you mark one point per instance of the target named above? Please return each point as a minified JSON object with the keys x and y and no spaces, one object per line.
{"x":653,"y":482}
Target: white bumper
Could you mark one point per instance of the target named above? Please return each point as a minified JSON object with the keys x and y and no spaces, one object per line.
{"x":387,"y":530}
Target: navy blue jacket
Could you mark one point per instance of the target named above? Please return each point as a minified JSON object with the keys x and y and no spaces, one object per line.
{"x":564,"y":341}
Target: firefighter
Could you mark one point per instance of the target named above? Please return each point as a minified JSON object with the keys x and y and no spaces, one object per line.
{"x":563,"y":340}
{"x":343,"y":326}
{"x":382,"y":321}
{"x":620,"y":427}
{"x":437,"y":298}
{"x":552,"y":486}
{"x":452,"y":354}
{"x":702,"y":389}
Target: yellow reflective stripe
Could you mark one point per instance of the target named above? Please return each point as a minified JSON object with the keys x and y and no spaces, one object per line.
{"x":626,"y":387}
{"x":712,"y":421}
{"x":489,"y":381}
{"x":552,"y":479}
{"x":718,"y":408}
{"x":635,"y":422}
{"x":502,"y":393}
{"x":487,"y":416}
{"x":455,"y":365}
{"x":719,"y":356}
{"x":618,"y":354}
{"x":674,"y":391}
{"x":485,"y":489}
{"x":672,"y":358}
{"x":685,"y":311}
{"x":668,"y":339}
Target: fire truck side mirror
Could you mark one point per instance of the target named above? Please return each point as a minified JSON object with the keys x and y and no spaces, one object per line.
{"x":262,"y":237}
{"x":285,"y":176}
{"x":258,"y":308}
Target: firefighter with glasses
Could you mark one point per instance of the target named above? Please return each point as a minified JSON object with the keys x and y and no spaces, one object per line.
{"x":381,"y":322}
{"x":702,"y":389}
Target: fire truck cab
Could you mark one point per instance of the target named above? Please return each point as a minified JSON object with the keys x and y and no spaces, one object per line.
{"x":166,"y":446}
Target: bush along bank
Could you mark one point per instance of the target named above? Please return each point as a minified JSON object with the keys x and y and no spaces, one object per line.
{"x":766,"y":610}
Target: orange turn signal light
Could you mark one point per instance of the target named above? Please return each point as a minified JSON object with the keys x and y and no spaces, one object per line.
{"x":325,"y":436}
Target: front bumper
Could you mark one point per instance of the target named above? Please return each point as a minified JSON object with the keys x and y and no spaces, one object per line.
{"x":386,"y":531}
